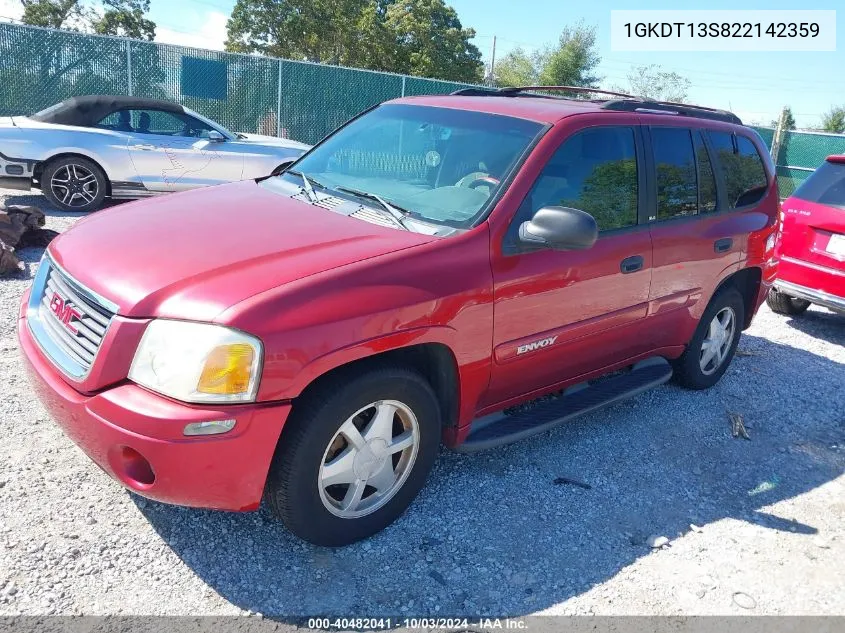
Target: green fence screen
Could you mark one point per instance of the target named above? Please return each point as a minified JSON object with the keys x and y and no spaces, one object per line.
{"x":246,"y":93}
{"x":800,"y":153}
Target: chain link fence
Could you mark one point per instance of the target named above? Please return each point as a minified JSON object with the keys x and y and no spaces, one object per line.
{"x":245,"y":93}
{"x":799,"y":154}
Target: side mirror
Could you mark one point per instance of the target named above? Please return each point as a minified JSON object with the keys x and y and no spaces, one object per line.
{"x":559,"y":228}
{"x":215,"y":137}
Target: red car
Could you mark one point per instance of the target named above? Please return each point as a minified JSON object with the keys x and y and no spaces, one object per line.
{"x":812,"y":244}
{"x":311,"y":338}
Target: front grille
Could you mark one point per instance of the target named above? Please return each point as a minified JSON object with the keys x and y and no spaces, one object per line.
{"x":72,"y":321}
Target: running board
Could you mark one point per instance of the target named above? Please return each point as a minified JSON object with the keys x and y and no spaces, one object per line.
{"x":499,"y":429}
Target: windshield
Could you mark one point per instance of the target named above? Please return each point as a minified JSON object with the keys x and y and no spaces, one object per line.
{"x":825,"y":186}
{"x":436,"y":164}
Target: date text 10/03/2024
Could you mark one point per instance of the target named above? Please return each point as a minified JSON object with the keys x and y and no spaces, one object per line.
{"x":451,"y":624}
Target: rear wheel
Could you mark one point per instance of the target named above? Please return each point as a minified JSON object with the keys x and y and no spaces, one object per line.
{"x":74,"y":184}
{"x":713,"y":345}
{"x":354,"y":455}
{"x":784,"y":304}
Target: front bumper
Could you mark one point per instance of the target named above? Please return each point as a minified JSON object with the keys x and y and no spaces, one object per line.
{"x":818,"y":297}
{"x":136,"y":437}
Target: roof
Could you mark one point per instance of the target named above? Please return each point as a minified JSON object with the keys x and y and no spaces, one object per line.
{"x":543,"y":108}
{"x":89,"y":110}
{"x":539,"y":109}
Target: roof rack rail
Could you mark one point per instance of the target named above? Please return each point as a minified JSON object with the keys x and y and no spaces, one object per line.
{"x":669,"y":107}
{"x":625,"y":102}
{"x":519,"y":90}
{"x":577,"y":89}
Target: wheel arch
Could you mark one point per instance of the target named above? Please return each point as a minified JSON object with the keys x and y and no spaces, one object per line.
{"x":747,"y":281}
{"x":41,"y":165}
{"x":436,"y":362}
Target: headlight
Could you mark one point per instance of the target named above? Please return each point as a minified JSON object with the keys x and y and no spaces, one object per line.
{"x":197,"y":362}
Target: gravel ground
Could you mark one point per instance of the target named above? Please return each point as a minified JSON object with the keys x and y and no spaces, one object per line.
{"x":752,"y":527}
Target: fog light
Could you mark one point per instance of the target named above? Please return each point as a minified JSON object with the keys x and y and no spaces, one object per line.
{"x":209,"y":428}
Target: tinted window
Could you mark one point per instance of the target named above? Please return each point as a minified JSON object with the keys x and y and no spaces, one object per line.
{"x":155,"y":122}
{"x":826,"y":185}
{"x":706,"y":179}
{"x":595,"y":171}
{"x":674,"y":163}
{"x":742,"y":169}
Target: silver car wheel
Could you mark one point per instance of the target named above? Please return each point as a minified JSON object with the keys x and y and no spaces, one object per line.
{"x":369,"y":458}
{"x":74,"y":185}
{"x":715,"y":347}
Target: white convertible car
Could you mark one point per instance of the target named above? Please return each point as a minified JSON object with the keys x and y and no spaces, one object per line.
{"x":86,"y":149}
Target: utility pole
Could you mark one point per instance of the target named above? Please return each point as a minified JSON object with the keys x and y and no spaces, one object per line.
{"x":491,"y":79}
{"x":778,"y":136}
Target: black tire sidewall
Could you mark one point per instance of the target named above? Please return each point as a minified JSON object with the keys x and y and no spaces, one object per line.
{"x":690,"y":368}
{"x":95,"y":169}
{"x":296,"y":467}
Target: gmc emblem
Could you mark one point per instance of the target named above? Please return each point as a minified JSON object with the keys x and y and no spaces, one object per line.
{"x":64,"y":312}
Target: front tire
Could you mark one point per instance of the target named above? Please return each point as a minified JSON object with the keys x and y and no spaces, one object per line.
{"x":784,"y":304}
{"x":715,"y":340}
{"x":74,"y":183}
{"x":354,"y":455}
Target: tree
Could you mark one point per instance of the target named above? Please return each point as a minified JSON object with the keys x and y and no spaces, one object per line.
{"x":54,"y":14}
{"x":834,"y":120}
{"x":515,"y":69}
{"x":570,"y":62}
{"x":654,"y":83}
{"x":788,"y":119}
{"x":432,"y":42}
{"x":125,"y":18}
{"x":417,"y":37}
{"x":108,"y":17}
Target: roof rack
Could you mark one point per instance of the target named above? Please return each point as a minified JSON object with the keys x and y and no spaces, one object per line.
{"x":669,"y":107}
{"x":519,"y":91}
{"x":625,"y":102}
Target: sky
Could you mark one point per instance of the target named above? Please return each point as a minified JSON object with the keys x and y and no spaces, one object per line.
{"x":756,"y":86}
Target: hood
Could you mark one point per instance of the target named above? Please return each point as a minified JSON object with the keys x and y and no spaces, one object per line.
{"x":263,"y":139}
{"x":193,"y":255}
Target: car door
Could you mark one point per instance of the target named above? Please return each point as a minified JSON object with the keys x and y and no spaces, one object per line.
{"x":698,"y":231}
{"x":174,"y":151}
{"x":559,"y":314}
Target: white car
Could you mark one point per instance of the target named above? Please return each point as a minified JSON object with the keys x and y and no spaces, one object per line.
{"x":86,"y":149}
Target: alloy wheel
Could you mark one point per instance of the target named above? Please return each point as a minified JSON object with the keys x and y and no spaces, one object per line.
{"x":717,"y":343}
{"x":368,"y":459}
{"x":74,"y":185}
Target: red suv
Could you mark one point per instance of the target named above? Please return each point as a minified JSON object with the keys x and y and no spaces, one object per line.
{"x":812,"y":244}
{"x":311,"y":338}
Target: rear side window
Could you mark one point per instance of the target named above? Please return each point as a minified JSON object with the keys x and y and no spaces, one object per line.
{"x":825,"y":186}
{"x":742,"y":169}
{"x":675,"y":165}
{"x":594,"y":170}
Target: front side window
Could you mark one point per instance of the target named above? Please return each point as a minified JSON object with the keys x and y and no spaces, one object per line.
{"x":594,"y":170}
{"x":825,"y":186}
{"x":439,"y":164}
{"x":675,"y":166}
{"x":155,"y":122}
{"x":742,"y":169}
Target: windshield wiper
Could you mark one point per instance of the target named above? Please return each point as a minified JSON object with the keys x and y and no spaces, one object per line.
{"x":308,"y":186}
{"x":397,"y":213}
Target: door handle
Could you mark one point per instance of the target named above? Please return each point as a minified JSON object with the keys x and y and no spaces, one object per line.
{"x":723,"y":245}
{"x":631,"y":264}
{"x":146,"y":148}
